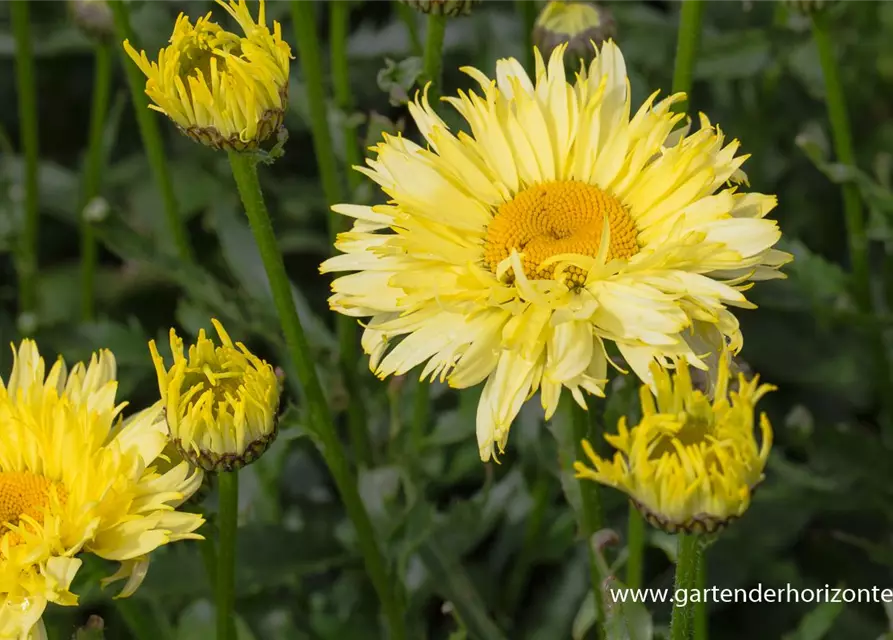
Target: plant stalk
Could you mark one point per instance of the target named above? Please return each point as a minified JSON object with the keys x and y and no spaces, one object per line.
{"x":432,"y":61}
{"x":26,"y":87}
{"x":700,"y":613}
{"x":102,"y":82}
{"x":322,"y":428}
{"x":228,"y":492}
{"x":151,"y":136}
{"x":304,"y":20}
{"x":689,"y":556}
{"x":635,"y":545}
{"x":338,"y":30}
{"x":408,"y":16}
{"x":591,"y":519}
{"x":688,"y":40}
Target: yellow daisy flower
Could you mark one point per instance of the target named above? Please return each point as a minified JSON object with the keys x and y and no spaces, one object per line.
{"x":222,"y":90}
{"x":221,"y":402}
{"x":75,"y":479}
{"x":690,"y":464}
{"x":516,"y":253}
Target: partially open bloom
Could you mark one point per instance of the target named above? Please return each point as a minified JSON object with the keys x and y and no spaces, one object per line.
{"x":577,"y":23}
{"x":75,"y":479}
{"x":690,"y":464}
{"x":221,"y":402}
{"x":222,"y":90}
{"x":442,"y":7}
{"x":513,"y":254}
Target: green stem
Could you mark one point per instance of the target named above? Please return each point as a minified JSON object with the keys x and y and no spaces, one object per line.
{"x":432,"y":62}
{"x":338,"y":28}
{"x":27,"y":92}
{"x":688,"y":40}
{"x":304,"y":20}
{"x":686,"y":577}
{"x":700,"y":614}
{"x":227,"y":522}
{"x":843,"y":147}
{"x":209,"y":559}
{"x":635,"y":545}
{"x":6,"y":147}
{"x":591,"y":516}
{"x":408,"y":15}
{"x":102,"y":82}
{"x":320,"y":420}
{"x":148,"y":126}
{"x":527,"y":9}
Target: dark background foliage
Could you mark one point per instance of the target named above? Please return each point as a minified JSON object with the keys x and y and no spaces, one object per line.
{"x":482,"y":551}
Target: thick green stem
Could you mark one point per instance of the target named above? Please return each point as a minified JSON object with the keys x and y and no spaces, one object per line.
{"x":527,"y":10}
{"x":338,"y":29}
{"x":26,"y":258}
{"x":690,"y":550}
{"x":409,"y":15}
{"x":700,"y":613}
{"x":432,"y":62}
{"x":102,"y":82}
{"x":304,"y":20}
{"x":320,"y":420}
{"x":227,"y":522}
{"x":148,"y":125}
{"x":835,"y":101}
{"x":688,"y":40}
{"x":635,"y":546}
{"x":591,"y":518}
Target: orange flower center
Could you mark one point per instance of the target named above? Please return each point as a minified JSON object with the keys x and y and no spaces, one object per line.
{"x":25,"y":494}
{"x":555,"y":218}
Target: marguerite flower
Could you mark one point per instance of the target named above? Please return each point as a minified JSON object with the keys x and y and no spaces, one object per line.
{"x":222,"y":90}
{"x":516,"y":253}
{"x":74,"y":479}
{"x":221,"y":401}
{"x":690,"y":464}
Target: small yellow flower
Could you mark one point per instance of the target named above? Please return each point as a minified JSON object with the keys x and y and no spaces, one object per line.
{"x":75,"y":479}
{"x":221,"y":401}
{"x":690,"y":464}
{"x":577,"y":23}
{"x":221,"y":90}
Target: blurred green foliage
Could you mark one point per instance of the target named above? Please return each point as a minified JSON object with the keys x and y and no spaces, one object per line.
{"x":481,"y":551}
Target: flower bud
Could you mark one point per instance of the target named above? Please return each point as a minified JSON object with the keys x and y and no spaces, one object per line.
{"x":579,"y":24}
{"x":442,"y":7}
{"x":221,"y":402}
{"x":93,"y":17}
{"x":222,"y":90}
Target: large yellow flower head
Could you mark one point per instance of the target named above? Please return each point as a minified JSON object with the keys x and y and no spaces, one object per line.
{"x":75,"y":479}
{"x":690,"y":464}
{"x":222,"y":90}
{"x":221,"y":402}
{"x":515,"y":253}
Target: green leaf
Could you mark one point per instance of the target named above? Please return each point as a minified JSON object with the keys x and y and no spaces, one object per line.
{"x":816,"y":624}
{"x":623,"y":621}
{"x":450,"y":581}
{"x":397,"y":78}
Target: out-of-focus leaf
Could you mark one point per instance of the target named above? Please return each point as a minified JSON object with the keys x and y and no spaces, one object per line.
{"x":816,"y":624}
{"x":397,"y":78}
{"x":198,"y":622}
{"x":450,"y":582}
{"x":624,"y":620}
{"x":94,"y":629}
{"x":733,"y":55}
